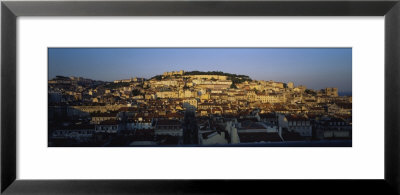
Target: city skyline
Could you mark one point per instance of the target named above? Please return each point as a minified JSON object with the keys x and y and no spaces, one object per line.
{"x":206,"y":97}
{"x":316,"y":68}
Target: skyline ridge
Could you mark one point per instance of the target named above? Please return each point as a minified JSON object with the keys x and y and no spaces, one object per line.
{"x":313,"y":67}
{"x":344,"y":93}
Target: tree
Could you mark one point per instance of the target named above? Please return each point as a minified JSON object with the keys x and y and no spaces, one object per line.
{"x":311,"y":92}
{"x":233,"y":77}
{"x":136,"y":92}
{"x":157,"y":77}
{"x":116,"y":85}
{"x":233,"y":86}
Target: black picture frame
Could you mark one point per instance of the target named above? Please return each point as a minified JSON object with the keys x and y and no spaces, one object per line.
{"x":11,"y":10}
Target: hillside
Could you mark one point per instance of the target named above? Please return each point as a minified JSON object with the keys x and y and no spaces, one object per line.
{"x":233,"y":77}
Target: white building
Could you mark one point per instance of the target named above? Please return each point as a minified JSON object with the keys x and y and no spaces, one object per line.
{"x":190,"y":103}
{"x":168,"y":127}
{"x":80,"y":133}
{"x":232,"y":131}
{"x":108,"y":126}
{"x":300,"y":125}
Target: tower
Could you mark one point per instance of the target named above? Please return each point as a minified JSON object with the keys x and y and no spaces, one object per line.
{"x":290,"y":85}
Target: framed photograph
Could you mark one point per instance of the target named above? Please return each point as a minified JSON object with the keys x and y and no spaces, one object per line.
{"x":199,"y":97}
{"x":203,"y":103}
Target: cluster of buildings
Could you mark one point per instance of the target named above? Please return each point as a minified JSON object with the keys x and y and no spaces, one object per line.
{"x":183,"y":108}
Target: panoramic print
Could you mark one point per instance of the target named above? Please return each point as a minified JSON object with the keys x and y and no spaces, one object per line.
{"x":196,"y":97}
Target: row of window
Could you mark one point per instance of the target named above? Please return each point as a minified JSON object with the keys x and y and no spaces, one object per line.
{"x":69,"y":132}
{"x":115,"y":127}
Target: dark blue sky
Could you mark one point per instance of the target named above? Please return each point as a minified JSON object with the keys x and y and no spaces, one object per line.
{"x":316,"y":68}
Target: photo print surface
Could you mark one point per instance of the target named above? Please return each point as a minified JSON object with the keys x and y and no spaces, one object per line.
{"x":196,"y":97}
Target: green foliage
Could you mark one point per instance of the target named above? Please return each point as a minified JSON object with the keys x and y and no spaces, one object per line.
{"x":157,"y":77}
{"x":233,"y":77}
{"x":311,"y":92}
{"x":61,"y":77}
{"x":116,"y":85}
{"x":239,"y":79}
{"x":140,"y":85}
{"x":136,"y":92}
{"x":233,"y":86}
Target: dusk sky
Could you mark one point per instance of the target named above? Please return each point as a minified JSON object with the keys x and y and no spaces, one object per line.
{"x":315,"y":68}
